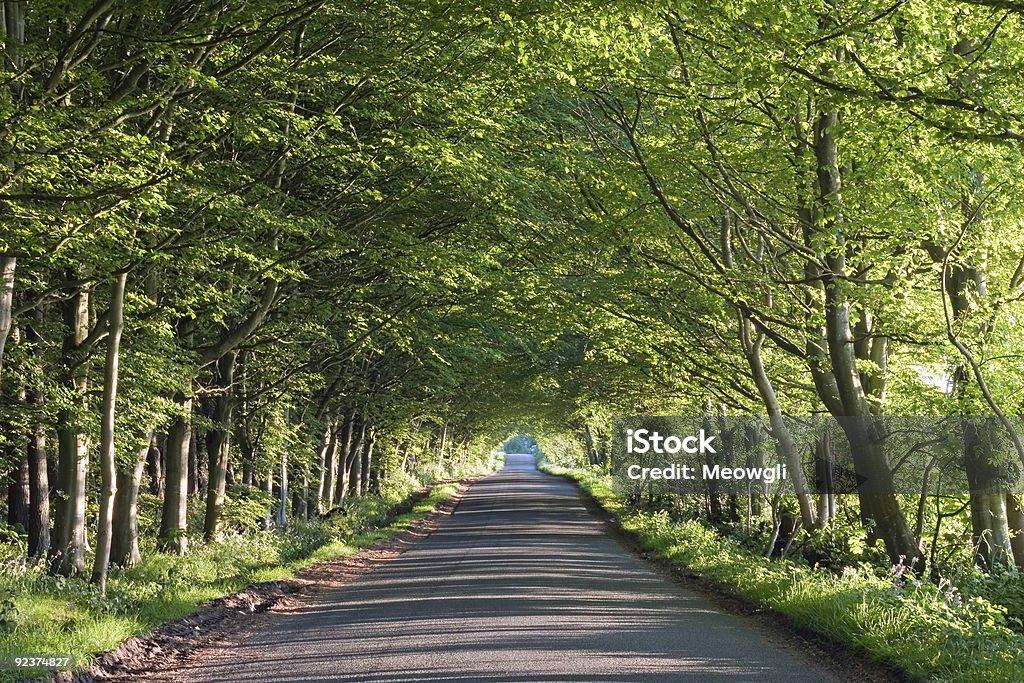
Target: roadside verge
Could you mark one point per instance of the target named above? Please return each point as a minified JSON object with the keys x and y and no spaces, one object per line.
{"x":848,"y":661}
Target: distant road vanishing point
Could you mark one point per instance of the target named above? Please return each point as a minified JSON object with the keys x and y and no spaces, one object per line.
{"x":521,"y":583}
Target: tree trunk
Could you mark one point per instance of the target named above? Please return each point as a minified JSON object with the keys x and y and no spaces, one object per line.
{"x":7,"y":265}
{"x":218,"y":441}
{"x":154,"y":466}
{"x":282,"y":511}
{"x":38,"y":474}
{"x":327,"y":440}
{"x":194,"y":459}
{"x":824,"y":485}
{"x":865,"y":434}
{"x":174,"y":515}
{"x":344,"y":458}
{"x":124,"y":551}
{"x":39,"y":490}
{"x":990,"y":516}
{"x":785,"y":445}
{"x":108,"y":454}
{"x":371,"y":484}
{"x":989,"y":521}
{"x":301,"y":499}
{"x":1015,"y":522}
{"x":18,"y":492}
{"x":588,"y":441}
{"x":67,"y":553}
{"x":356,"y":483}
{"x":443,"y":448}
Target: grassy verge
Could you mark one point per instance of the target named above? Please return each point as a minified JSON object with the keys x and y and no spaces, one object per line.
{"x":57,"y":615}
{"x":931,"y":632}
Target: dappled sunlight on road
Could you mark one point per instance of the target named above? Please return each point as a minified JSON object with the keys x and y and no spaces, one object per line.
{"x":522,"y":584}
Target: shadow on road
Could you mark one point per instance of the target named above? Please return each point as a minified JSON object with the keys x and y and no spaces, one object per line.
{"x":520,"y":584}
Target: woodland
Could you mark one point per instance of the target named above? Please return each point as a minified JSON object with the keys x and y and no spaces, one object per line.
{"x":270,"y":267}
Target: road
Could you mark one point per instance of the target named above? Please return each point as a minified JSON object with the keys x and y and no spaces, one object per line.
{"x":521,"y":583}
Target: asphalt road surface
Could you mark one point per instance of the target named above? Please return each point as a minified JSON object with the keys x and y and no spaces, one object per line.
{"x":521,"y":583}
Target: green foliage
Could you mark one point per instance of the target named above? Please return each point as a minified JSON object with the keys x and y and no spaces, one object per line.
{"x":448,"y":223}
{"x":245,"y":507}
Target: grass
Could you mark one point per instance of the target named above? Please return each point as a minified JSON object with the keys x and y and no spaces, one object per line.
{"x":52,"y":615}
{"x":931,"y":632}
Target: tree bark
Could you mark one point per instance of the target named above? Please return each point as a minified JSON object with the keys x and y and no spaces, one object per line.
{"x":218,"y":441}
{"x":194,"y":447}
{"x":18,"y":491}
{"x":371,"y":485}
{"x":328,"y":441}
{"x":282,"y":511}
{"x":39,"y":477}
{"x":344,"y":459}
{"x":154,"y":466}
{"x":443,"y":448}
{"x":864,"y":433}
{"x":823,"y":479}
{"x":356,"y":483}
{"x":174,"y":514}
{"x":990,"y":529}
{"x":1015,"y":522}
{"x":785,"y":445}
{"x":39,"y":491}
{"x":67,"y":554}
{"x":7,"y":265}
{"x":124,"y":550}
{"x":108,"y":454}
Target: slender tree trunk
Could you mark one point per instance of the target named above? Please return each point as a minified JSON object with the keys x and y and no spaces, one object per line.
{"x":68,"y":550}
{"x":155,"y":466}
{"x":39,"y":490}
{"x":371,"y":484}
{"x":345,"y":444}
{"x":174,"y":517}
{"x":1015,"y":523}
{"x":301,"y":499}
{"x":108,"y":454}
{"x":282,"y":511}
{"x":18,"y":491}
{"x":7,"y":265}
{"x":785,"y":445}
{"x":194,"y":458}
{"x":124,"y":550}
{"x":356,"y":483}
{"x":218,"y":441}
{"x":823,"y":478}
{"x":444,"y":446}
{"x":18,"y":477}
{"x":38,"y":474}
{"x":406,"y":448}
{"x":327,"y":438}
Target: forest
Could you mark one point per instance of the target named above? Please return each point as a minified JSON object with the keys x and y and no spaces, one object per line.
{"x":268,"y":268}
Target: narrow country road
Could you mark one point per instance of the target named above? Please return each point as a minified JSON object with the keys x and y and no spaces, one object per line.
{"x":520,"y":584}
